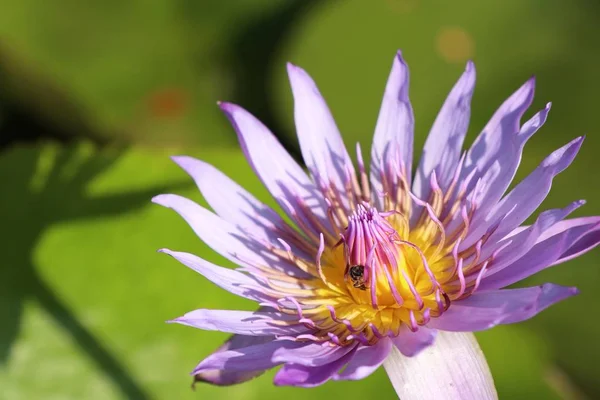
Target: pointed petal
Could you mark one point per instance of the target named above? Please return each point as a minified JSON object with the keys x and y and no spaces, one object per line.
{"x":236,"y":245}
{"x":412,"y":343}
{"x":568,"y":239}
{"x":501,"y":128}
{"x":366,"y":360}
{"x":501,"y":170}
{"x":569,"y":225}
{"x":230,"y":280}
{"x":393,"y":140}
{"x":222,"y":377}
{"x":302,"y":376}
{"x":484,"y":310}
{"x":526,"y":197}
{"x":518,"y":244}
{"x":499,"y":140}
{"x":585,"y":243}
{"x":243,"y":322}
{"x":454,"y":368}
{"x":230,"y":201}
{"x":444,"y":144}
{"x":320,"y":141}
{"x":282,"y":176}
{"x":271,"y":354}
{"x":221,"y":236}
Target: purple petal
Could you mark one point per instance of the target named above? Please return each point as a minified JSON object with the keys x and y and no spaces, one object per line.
{"x":568,"y":239}
{"x":226,"y":239}
{"x":498,"y":141}
{"x":366,"y":360}
{"x":587,"y":242}
{"x":517,"y":244}
{"x":230,"y":201}
{"x":320,"y":141}
{"x":412,"y":343}
{"x":568,"y":224}
{"x":525,"y":198}
{"x":230,"y":280}
{"x":393,"y":140}
{"x":282,"y":176}
{"x":484,"y":310}
{"x":500,"y":171}
{"x":271,"y":354}
{"x":243,"y":322}
{"x":444,"y":144}
{"x":222,"y":377}
{"x":501,"y":128}
{"x":220,"y":235}
{"x":303,"y":376}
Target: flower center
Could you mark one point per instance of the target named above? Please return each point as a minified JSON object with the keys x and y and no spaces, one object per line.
{"x":384,"y":270}
{"x":388,"y":279}
{"x":383,"y":273}
{"x":387,"y":263}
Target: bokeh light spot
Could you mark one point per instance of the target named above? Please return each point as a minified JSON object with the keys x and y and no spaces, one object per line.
{"x":455,"y":45}
{"x":167,"y":103}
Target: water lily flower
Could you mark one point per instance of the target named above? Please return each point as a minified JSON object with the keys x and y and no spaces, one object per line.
{"x":379,"y":266}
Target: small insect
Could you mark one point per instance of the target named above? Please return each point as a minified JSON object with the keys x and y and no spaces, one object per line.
{"x":357,"y":276}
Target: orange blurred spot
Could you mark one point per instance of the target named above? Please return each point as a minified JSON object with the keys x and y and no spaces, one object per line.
{"x":168,"y":103}
{"x":455,"y":45}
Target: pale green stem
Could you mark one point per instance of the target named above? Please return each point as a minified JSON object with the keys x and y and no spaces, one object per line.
{"x":454,"y":368}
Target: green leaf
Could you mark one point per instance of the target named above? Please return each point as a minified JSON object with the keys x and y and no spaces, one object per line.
{"x":151,"y":71}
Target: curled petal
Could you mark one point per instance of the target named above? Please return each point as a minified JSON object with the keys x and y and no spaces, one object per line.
{"x":454,"y":368}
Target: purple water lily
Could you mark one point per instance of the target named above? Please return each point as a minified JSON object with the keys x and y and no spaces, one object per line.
{"x":376,"y":263}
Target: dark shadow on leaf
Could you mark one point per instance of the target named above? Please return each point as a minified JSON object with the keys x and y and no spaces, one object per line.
{"x":33,"y":106}
{"x":34,"y":199}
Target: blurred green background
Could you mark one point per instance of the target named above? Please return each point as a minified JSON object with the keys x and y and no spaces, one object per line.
{"x":95,"y":96}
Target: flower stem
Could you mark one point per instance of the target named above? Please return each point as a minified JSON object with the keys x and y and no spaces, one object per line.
{"x":454,"y":367}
